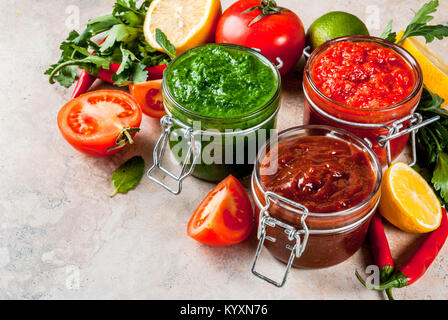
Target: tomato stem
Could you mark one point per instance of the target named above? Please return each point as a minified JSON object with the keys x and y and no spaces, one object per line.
{"x":128,"y":136}
{"x":124,"y":138}
{"x":267,"y":7}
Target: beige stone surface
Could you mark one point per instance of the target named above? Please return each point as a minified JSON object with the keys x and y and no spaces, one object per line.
{"x":61,"y":236}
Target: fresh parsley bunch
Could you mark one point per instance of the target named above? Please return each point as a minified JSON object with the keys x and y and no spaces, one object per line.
{"x":124,"y":43}
{"x":432,"y":140}
{"x":419,"y":26}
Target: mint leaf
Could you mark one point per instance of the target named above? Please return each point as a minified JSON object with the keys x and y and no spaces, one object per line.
{"x":128,"y":175}
{"x":440,"y":175}
{"x":166,"y":45}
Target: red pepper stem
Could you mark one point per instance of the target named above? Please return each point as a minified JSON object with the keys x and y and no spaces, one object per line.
{"x":386,"y":272}
{"x":397,"y":280}
{"x":389,"y":294}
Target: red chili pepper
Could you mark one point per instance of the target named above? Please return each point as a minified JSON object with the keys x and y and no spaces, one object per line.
{"x":380,"y":247}
{"x":154,"y":73}
{"x":380,"y":250}
{"x":84,"y":83}
{"x":416,"y":267}
{"x":86,"y":80}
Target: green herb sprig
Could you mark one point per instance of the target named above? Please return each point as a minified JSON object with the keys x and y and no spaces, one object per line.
{"x":432,"y":141}
{"x":419,"y":26}
{"x":128,"y":175}
{"x":124,"y":43}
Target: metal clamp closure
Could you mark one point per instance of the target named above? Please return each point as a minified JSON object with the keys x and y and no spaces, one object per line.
{"x":415,"y":122}
{"x":292,"y":233}
{"x":307,"y":52}
{"x":279,"y":60}
{"x":194,"y":151}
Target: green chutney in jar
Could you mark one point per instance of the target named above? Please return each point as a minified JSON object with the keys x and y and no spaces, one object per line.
{"x":218,"y":81}
{"x":231,"y":90}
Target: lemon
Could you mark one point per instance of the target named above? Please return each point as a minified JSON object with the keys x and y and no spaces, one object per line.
{"x":186,"y":23}
{"x":435,"y":70}
{"x":407,"y":201}
{"x":334,"y":24}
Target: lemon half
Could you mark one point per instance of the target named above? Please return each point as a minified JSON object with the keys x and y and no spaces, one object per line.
{"x":407,"y":200}
{"x":434,"y":69}
{"x":186,"y":23}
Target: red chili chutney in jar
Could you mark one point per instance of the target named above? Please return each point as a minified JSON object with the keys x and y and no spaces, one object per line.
{"x":363,"y":75}
{"x":322,"y":173}
{"x":362,"y":84}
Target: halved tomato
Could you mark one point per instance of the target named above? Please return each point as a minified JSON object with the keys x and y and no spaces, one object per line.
{"x":149,"y":96}
{"x":224,"y":217}
{"x":100,"y":123}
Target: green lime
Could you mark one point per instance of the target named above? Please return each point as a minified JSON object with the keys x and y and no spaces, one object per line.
{"x":334,"y":24}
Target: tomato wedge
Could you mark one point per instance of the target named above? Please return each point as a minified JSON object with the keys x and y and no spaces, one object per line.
{"x":100,"y":123}
{"x":224,"y":217}
{"x":149,"y":96}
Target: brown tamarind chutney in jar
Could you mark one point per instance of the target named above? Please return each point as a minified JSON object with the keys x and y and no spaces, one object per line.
{"x":331,"y":173}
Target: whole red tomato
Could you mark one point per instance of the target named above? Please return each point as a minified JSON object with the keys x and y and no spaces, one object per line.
{"x":276,"y":31}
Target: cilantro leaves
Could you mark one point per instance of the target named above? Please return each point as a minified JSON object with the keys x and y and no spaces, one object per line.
{"x":124,"y":43}
{"x":440,"y":175}
{"x":432,"y":141}
{"x":419,"y":26}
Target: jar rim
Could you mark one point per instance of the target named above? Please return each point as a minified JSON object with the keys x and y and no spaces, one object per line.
{"x":403,"y":53}
{"x":373,"y":159}
{"x":265,"y":60}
